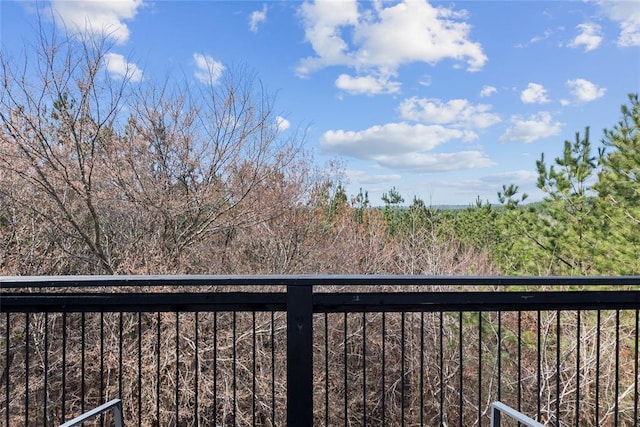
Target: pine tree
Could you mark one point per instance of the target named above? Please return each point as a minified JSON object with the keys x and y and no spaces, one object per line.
{"x":619,"y":192}
{"x":568,"y":224}
{"x":392,"y":210}
{"x":520,"y":248}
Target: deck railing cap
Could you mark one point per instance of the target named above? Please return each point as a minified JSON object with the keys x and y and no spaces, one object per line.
{"x":309,"y":279}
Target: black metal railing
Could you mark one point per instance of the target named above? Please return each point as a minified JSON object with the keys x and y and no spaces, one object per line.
{"x":319,"y":350}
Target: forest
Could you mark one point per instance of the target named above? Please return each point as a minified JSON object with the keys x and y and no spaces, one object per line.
{"x":100,"y":176}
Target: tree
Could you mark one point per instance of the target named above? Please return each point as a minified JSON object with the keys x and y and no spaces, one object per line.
{"x":557,"y":236}
{"x":567,"y":226}
{"x":589,"y":223}
{"x":392,"y":210}
{"x":124,"y":176}
{"x":519,"y":248}
{"x":618,"y":189}
{"x":508,"y":196}
{"x":54,"y":117}
{"x":476,"y":226}
{"x":361,"y":205}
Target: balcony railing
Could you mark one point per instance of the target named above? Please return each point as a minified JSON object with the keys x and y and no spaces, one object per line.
{"x":319,"y":350}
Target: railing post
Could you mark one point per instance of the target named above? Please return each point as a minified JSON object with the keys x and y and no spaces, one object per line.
{"x":299,"y":355}
{"x":495,"y":417}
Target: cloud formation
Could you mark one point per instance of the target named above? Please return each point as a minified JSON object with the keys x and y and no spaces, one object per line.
{"x":527,"y":130}
{"x":534,"y":94}
{"x":459,"y":113}
{"x":590,"y":37}
{"x":378,"y":40}
{"x":405,"y":146}
{"x":323,"y":22}
{"x":547,"y":33}
{"x":487,"y":91}
{"x":536,"y":39}
{"x":584,"y":90}
{"x":627,"y":15}
{"x":366,"y":85}
{"x":257,"y":17}
{"x":97,"y":17}
{"x":387,"y":139}
{"x":362,"y":177}
{"x":118,"y":67}
{"x":208,"y":70}
{"x":436,"y":162}
{"x":282,"y":123}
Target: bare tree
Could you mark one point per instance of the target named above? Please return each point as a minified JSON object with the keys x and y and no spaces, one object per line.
{"x":127,"y":176}
{"x":56,"y":108}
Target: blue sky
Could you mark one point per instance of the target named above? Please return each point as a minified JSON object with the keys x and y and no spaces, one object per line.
{"x":446,"y":101}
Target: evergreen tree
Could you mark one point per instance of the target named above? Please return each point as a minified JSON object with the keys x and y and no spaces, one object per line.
{"x":519,"y":249}
{"x":567,"y":226}
{"x":619,"y":192}
{"x":589,"y":223}
{"x":476,"y":225}
{"x":361,"y":206}
{"x":392,"y":210}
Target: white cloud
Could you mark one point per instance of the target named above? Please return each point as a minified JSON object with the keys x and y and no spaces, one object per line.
{"x":565,"y":102}
{"x":323,"y":22}
{"x":97,"y":17}
{"x":384,"y":38}
{"x":436,"y":162}
{"x":282,"y":123}
{"x":208,"y":70}
{"x":536,"y":126}
{"x":534,"y":94}
{"x":404,"y":146}
{"x":367,"y":85}
{"x":425,"y":80}
{"x":365,"y":178}
{"x":487,"y":91}
{"x":535,"y":39}
{"x":388,"y":139}
{"x":547,"y":33}
{"x":257,"y":17}
{"x":118,"y":67}
{"x":627,"y":15}
{"x":590,"y":37}
{"x":457,"y":112}
{"x":584,"y":90}
{"x":415,"y":31}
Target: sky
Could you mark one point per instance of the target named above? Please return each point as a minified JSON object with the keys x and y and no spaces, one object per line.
{"x":443,"y":100}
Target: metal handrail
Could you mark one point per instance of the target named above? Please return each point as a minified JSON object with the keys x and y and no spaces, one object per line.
{"x":115,"y":405}
{"x":499,"y":408}
{"x":9,"y":282}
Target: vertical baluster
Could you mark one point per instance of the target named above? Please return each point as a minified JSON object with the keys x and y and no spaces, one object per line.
{"x":27,"y":334}
{"x":479,"y":369}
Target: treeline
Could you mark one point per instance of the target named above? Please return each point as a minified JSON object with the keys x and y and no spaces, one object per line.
{"x":587,"y":224}
{"x":109,"y":176}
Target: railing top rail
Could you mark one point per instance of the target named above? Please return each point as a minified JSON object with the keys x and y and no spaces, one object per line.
{"x":323,"y":302}
{"x":311,"y":279}
{"x":115,"y":405}
{"x":512,"y":413}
